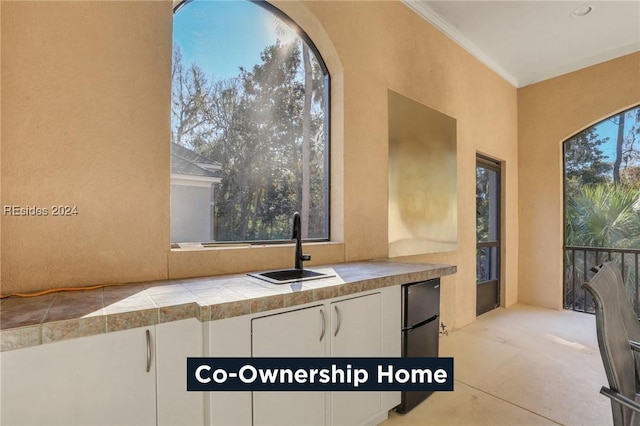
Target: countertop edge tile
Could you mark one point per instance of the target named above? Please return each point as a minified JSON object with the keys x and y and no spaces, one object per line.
{"x":298,"y":298}
{"x":267,"y":303}
{"x":72,"y":328}
{"x":20,"y":337}
{"x":127,"y":320}
{"x":178,"y":312}
{"x":229,"y":309}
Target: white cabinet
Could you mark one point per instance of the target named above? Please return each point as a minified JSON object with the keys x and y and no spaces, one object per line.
{"x":103,"y":379}
{"x":359,"y":326}
{"x":175,"y":341}
{"x":356,"y":332}
{"x":299,"y":333}
{"x":97,"y":380}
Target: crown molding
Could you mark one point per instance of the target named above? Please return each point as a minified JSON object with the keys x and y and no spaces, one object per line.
{"x":421,"y":8}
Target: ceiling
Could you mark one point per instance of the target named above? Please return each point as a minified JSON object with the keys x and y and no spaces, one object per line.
{"x":530,"y":41}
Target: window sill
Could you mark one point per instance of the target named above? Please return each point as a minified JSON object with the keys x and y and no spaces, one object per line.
{"x":224,"y":259}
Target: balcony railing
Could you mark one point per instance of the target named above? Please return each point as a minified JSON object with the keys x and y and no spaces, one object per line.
{"x":578,"y":262}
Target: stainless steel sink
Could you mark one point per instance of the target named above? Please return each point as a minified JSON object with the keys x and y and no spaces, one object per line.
{"x":284,"y":276}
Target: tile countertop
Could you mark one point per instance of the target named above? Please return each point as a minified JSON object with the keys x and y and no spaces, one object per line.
{"x":63,"y":315}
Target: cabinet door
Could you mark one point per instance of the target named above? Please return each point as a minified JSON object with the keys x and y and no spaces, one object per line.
{"x":356,"y":332}
{"x":230,"y":337}
{"x":290,"y":334}
{"x":97,"y":380}
{"x":175,"y":341}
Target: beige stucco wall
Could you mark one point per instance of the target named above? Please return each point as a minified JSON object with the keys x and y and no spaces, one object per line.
{"x":85,"y":121}
{"x":548,"y":113}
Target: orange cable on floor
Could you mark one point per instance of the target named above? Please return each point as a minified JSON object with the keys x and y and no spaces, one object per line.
{"x":53,"y":290}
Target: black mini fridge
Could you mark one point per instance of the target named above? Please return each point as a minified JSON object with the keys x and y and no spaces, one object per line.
{"x":420,"y":313}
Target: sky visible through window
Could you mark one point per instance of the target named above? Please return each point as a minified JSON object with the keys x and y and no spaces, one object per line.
{"x":202,"y":27}
{"x":602,"y":140}
{"x":609,"y":129}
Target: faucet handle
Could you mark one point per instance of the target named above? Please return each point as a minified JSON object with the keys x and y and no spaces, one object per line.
{"x":305,"y":257}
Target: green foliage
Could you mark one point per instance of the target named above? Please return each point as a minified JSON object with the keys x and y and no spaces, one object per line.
{"x":602,"y":193}
{"x":253,"y":125}
{"x":627,"y":156}
{"x":584,"y":162}
{"x":584,"y":159}
{"x":602,"y":202}
{"x":604,"y":215}
{"x":482,"y":204}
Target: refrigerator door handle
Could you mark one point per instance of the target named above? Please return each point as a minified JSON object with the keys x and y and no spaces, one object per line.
{"x":421,"y":323}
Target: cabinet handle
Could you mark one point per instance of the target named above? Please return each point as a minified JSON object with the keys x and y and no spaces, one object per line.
{"x":339,"y":321}
{"x":148,"y":350}
{"x":323,"y":325}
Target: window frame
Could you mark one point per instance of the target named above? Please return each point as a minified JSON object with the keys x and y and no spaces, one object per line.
{"x":300,"y":33}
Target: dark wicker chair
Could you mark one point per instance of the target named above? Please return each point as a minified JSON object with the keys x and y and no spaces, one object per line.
{"x":617,"y":326}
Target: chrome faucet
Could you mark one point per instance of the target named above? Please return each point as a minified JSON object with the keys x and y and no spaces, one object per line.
{"x":297,"y":235}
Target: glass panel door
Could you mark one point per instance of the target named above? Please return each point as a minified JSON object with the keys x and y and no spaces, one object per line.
{"x":487,"y":234}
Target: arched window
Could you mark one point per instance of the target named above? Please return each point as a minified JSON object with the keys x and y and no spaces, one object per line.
{"x":249,"y":121}
{"x":602,"y":203}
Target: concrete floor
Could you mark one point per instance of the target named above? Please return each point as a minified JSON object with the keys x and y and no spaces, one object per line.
{"x":519,"y":366}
